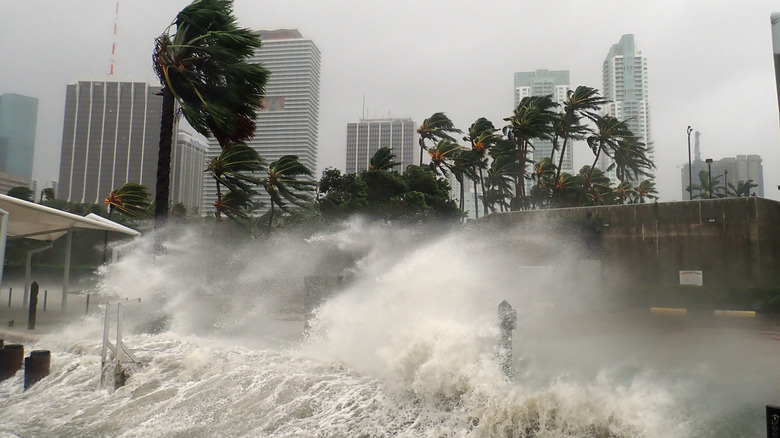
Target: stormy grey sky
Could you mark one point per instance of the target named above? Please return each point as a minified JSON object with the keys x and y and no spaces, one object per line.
{"x":709,"y":62}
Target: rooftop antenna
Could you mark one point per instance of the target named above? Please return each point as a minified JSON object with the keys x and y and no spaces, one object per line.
{"x":113,"y":44}
{"x":697,"y":149}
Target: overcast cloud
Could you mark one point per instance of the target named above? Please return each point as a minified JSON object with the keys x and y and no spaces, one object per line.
{"x":709,"y":63}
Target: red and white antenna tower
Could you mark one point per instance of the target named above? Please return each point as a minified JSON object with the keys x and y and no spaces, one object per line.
{"x":113,"y":45}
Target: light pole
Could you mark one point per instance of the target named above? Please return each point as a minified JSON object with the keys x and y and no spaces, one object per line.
{"x":690,"y":169}
{"x":726,"y":181}
{"x":709,"y":177}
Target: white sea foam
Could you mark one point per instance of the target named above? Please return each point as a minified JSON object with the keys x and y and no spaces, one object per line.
{"x":406,"y":349}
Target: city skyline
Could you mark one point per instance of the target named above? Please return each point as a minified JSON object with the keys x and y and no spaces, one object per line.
{"x":400,"y":67}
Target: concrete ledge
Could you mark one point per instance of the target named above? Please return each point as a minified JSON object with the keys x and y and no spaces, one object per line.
{"x":668,"y":310}
{"x":739,"y":313}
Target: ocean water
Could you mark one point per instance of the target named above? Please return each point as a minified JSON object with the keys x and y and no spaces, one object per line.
{"x":406,"y":348}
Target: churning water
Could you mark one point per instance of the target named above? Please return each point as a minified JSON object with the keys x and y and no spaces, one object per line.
{"x":406,"y":347}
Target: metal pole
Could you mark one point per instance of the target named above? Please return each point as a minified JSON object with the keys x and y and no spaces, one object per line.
{"x":690,"y":167}
{"x":66,"y":274}
{"x":3,"y":236}
{"x":709,"y":177}
{"x":726,"y":181}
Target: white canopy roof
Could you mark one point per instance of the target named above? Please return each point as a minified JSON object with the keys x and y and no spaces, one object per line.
{"x":35,"y":221}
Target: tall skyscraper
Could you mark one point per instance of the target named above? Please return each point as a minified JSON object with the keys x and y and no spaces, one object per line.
{"x":288,"y":125}
{"x":775,"y":20}
{"x":556,"y":84}
{"x":364,"y":138}
{"x":624,"y":74}
{"x":18,"y":121}
{"x":110,"y":136}
{"x":188,"y":163}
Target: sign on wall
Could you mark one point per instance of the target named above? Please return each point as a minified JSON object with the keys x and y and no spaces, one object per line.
{"x":692,"y":278}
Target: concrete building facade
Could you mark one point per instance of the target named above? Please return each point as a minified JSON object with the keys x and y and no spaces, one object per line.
{"x":725,"y":172}
{"x":625,"y":82}
{"x":554,"y":83}
{"x":365,"y":137}
{"x":289,"y":123}
{"x":187,"y":165}
{"x":18,"y":121}
{"x":110,"y":136}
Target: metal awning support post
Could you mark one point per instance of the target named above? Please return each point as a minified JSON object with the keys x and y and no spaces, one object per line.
{"x":66,"y":274}
{"x":117,"y":348}
{"x":28,"y":271}
{"x":3,"y":238}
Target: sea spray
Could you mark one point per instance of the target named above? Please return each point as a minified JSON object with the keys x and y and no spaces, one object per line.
{"x":407,"y":348}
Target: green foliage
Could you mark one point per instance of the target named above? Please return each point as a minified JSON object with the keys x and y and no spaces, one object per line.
{"x":205,"y":65}
{"x":415,"y":195}
{"x":131,"y":199}
{"x":21,"y":192}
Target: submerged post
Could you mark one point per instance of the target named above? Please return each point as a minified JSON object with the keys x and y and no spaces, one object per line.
{"x":36,"y":367}
{"x":507,"y":321}
{"x":33,"y":306}
{"x":11,"y":358}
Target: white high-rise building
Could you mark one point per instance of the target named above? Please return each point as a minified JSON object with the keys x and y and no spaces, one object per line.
{"x":288,"y":125}
{"x":554,"y":83}
{"x":366,"y":137}
{"x":624,"y":74}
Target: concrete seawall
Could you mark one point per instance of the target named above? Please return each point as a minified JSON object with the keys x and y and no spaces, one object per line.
{"x":735,"y":242}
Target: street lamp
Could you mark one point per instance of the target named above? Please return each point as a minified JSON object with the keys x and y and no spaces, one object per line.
{"x":690,"y":169}
{"x":726,"y":181}
{"x":709,"y":177}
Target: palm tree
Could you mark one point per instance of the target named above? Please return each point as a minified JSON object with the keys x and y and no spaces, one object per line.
{"x":283,"y":185}
{"x":237,"y":170}
{"x":203,"y":67}
{"x":704,"y":185}
{"x":646,"y":189}
{"x":580,"y":102}
{"x":609,"y":133}
{"x":498,"y":184}
{"x":383,"y":159}
{"x":543,"y":177}
{"x":132,"y":200}
{"x":436,"y":127}
{"x":624,"y":192}
{"x":596,"y":188}
{"x":444,"y":150}
{"x":741,"y":189}
{"x":481,"y":135}
{"x":533,"y":118}
{"x":630,"y":160}
{"x":463,"y":165}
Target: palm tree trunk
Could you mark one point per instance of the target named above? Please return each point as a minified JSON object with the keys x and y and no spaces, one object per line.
{"x":421,"y":151}
{"x":271,"y":216}
{"x":560,"y":160}
{"x":162,"y":188}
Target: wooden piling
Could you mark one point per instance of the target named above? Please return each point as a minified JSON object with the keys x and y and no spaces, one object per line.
{"x":36,"y":367}
{"x":31,"y":313}
{"x":11,"y":358}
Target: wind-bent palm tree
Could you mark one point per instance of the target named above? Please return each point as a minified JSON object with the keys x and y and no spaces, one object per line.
{"x":383,"y":159}
{"x":482,"y":136}
{"x":533,"y":118}
{"x":443,"y":151}
{"x":498,"y":184}
{"x":580,"y":102}
{"x":609,"y":133}
{"x":624,"y":192}
{"x":630,"y":160}
{"x":646,"y":189}
{"x":436,"y":127}
{"x":704,"y":185}
{"x":237,"y":170}
{"x":283,"y":185}
{"x":204,"y":67}
{"x":132,"y":200}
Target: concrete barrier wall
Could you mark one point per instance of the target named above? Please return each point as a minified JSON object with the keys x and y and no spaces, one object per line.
{"x":735,"y":242}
